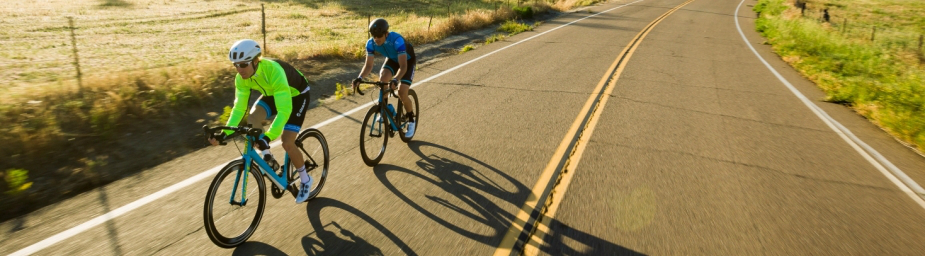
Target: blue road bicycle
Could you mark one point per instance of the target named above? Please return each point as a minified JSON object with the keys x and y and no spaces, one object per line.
{"x":230,"y":214}
{"x":383,"y":121}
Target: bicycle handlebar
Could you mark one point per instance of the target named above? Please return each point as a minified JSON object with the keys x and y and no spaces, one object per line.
{"x":374,"y":82}
{"x":380,"y":84}
{"x":212,"y":132}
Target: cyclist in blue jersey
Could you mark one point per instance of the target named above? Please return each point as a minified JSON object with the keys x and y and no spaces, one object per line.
{"x":399,"y":64}
{"x":284,"y":93}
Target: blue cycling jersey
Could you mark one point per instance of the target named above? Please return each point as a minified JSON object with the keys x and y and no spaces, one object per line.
{"x":394,"y":45}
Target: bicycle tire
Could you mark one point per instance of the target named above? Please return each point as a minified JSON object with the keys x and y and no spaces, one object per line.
{"x":367,"y":133}
{"x":214,"y":234}
{"x":404,"y":122}
{"x":312,"y":143}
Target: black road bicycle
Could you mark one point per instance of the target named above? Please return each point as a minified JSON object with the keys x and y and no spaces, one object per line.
{"x":383,"y":121}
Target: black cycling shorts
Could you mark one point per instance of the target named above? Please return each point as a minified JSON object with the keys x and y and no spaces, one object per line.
{"x":299,"y":107}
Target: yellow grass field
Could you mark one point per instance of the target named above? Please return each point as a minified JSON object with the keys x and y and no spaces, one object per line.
{"x":116,"y":38}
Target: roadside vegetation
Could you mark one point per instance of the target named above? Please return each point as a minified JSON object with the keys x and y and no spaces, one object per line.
{"x":142,"y":62}
{"x":868,"y":55}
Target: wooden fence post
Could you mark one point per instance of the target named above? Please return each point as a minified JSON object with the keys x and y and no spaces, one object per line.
{"x":844,"y":26}
{"x":920,"y":43}
{"x":921,"y":53}
{"x":263,"y":30}
{"x":873,"y":33}
{"x":70,"y":24}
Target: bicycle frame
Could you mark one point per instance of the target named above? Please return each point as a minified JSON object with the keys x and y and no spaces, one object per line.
{"x":252,"y":155}
{"x":382,"y":107}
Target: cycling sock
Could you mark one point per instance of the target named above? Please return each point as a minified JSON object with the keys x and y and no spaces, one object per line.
{"x":303,"y":175}
{"x":410,"y":116}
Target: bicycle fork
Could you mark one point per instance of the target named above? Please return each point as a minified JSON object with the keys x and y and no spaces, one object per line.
{"x":234,"y":189}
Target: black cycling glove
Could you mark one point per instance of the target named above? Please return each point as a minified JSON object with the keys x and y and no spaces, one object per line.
{"x":356,"y":85}
{"x":262,"y":143}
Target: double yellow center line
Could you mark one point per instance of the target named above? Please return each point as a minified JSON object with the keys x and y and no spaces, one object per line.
{"x":526,"y":233}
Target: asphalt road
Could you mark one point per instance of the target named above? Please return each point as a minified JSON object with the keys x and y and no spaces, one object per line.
{"x":699,"y":150}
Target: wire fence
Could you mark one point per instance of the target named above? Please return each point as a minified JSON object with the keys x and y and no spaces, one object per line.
{"x":56,"y":50}
{"x":70,"y":48}
{"x":892,"y":36}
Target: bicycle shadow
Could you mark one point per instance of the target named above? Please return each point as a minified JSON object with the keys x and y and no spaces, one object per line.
{"x":256,"y":248}
{"x":342,"y":241}
{"x":339,"y":241}
{"x":564,"y":240}
{"x":472,"y":183}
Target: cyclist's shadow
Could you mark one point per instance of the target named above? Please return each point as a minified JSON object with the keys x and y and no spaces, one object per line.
{"x":470,"y":181}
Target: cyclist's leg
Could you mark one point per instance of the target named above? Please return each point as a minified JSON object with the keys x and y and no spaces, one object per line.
{"x":262,"y":109}
{"x":288,"y":139}
{"x":290,"y":133}
{"x":292,"y":128}
{"x":405,"y":85}
{"x":387,"y":71}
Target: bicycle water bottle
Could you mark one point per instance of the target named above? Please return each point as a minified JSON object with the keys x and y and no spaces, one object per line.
{"x":271,"y":162}
{"x":391,"y":109}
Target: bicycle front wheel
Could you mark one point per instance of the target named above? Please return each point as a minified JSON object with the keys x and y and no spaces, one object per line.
{"x":315,"y":151}
{"x":403,"y":124}
{"x":373,"y":136}
{"x":230,"y":213}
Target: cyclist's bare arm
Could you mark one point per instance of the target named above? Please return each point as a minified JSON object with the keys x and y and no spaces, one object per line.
{"x":402,"y":66}
{"x":368,"y":67}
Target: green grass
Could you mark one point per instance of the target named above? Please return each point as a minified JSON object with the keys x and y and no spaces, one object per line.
{"x":466,"y":48}
{"x":514,"y":27}
{"x":17,"y":181}
{"x":881,"y":80}
{"x":494,"y":38}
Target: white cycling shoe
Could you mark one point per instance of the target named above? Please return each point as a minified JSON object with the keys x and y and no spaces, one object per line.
{"x":410,"y":132}
{"x":304,"y":191}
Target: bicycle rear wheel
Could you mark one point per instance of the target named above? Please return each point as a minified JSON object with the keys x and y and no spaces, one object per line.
{"x":230,"y":219}
{"x":374,"y":135}
{"x":315,"y":151}
{"x":403,"y":124}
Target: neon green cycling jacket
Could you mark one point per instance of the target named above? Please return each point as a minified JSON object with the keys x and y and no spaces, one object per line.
{"x":270,"y":80}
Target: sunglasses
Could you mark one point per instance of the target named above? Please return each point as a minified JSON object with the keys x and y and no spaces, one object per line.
{"x":242,"y":64}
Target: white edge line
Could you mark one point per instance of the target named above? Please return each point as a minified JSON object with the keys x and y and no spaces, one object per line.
{"x":173,"y":188}
{"x":907,"y":185}
{"x":115,"y":213}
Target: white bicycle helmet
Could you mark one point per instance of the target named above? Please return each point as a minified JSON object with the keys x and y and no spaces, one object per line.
{"x":244,"y":50}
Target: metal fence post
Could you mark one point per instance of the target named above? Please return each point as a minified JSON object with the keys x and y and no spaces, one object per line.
{"x":70,"y":24}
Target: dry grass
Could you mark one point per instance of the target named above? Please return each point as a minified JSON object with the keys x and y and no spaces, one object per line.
{"x":144,"y":59}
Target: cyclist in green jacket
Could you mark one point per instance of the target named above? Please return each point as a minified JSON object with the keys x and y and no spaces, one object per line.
{"x":284,"y":93}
